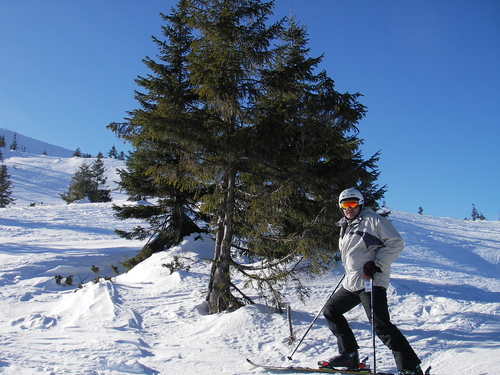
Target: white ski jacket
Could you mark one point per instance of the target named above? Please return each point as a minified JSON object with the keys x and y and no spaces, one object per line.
{"x":368,"y":237}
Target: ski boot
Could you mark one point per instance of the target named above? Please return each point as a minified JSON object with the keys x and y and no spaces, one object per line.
{"x":347,"y":360}
{"x":415,"y":371}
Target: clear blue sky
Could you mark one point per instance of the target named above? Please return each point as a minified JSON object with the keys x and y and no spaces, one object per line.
{"x":429,"y":71}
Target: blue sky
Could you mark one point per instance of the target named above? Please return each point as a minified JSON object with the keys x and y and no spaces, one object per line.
{"x":429,"y":72}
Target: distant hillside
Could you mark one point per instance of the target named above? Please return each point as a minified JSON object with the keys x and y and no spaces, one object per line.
{"x":32,"y":146}
{"x":38,"y":178}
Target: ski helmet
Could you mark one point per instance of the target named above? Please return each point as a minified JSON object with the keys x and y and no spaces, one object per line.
{"x":351,"y":193}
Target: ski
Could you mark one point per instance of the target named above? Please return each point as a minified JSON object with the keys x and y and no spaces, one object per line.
{"x":364,"y":371}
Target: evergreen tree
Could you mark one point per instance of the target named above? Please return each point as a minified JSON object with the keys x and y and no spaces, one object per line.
{"x":298,"y":168}
{"x":474,"y":213}
{"x":88,"y":182}
{"x":5,"y":187}
{"x":2,"y":145}
{"x":99,"y":192}
{"x":236,"y":122}
{"x":80,"y":184}
{"x":77,"y":153}
{"x":14,"y":145}
{"x":112,"y":153}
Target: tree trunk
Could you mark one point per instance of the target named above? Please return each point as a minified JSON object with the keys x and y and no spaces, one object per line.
{"x":219,"y":292}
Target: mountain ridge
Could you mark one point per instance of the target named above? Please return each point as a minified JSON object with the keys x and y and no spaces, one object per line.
{"x":32,"y":146}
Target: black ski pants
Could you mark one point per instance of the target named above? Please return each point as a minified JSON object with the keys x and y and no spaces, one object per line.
{"x":343,"y":301}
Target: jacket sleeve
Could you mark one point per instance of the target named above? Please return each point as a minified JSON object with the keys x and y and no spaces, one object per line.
{"x":392,"y":241}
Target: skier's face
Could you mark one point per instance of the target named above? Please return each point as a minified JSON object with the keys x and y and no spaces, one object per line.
{"x":351,"y":213}
{"x":351,"y":209}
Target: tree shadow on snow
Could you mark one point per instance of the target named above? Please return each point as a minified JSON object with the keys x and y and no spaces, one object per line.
{"x":461,"y":292}
{"x":448,"y":252}
{"x":55,"y":225}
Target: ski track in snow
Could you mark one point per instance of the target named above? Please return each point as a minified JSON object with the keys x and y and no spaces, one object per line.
{"x":444,"y":295}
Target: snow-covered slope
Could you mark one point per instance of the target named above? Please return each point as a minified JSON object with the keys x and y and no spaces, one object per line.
{"x":32,"y":146}
{"x":40,"y":179}
{"x":445,"y":295}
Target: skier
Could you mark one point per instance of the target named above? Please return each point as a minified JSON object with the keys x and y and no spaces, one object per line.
{"x":368,"y":244}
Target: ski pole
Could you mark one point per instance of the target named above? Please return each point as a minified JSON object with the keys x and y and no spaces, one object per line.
{"x":373,"y":328}
{"x":315,"y":318}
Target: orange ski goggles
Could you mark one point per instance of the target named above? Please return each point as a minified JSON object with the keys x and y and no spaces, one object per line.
{"x":349,"y":204}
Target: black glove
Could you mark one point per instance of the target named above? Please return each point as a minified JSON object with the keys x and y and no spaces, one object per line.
{"x":370,"y":268}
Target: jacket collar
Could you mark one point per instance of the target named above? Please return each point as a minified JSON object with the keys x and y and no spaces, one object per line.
{"x":344,"y":222}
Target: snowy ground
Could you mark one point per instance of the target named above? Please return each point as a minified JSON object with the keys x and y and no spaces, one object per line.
{"x":445,"y":295}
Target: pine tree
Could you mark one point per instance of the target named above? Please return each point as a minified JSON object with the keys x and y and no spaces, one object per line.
{"x":88,"y":182}
{"x":99,"y":192}
{"x":77,"y":153}
{"x":2,"y":145}
{"x":14,"y":145}
{"x":295,"y":171}
{"x":474,"y":213}
{"x":237,"y":122}
{"x":113,"y":154}
{"x":80,"y":184}
{"x":5,"y":187}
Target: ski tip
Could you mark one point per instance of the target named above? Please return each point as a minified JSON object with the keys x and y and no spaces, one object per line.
{"x":252,"y":362}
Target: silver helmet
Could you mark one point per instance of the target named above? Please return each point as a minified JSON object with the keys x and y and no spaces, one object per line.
{"x":351,"y":193}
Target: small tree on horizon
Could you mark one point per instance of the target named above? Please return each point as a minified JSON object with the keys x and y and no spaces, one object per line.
{"x":77,"y":153}
{"x":113,"y":154}
{"x":14,"y":145}
{"x":476,"y":215}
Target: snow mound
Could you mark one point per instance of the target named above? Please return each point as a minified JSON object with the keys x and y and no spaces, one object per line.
{"x":95,"y":306}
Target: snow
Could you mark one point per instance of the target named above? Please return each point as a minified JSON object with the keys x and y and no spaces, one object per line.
{"x":33,"y":146}
{"x":444,"y":295}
